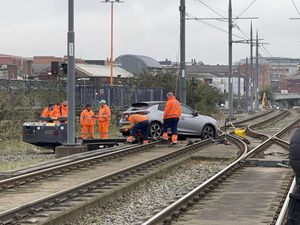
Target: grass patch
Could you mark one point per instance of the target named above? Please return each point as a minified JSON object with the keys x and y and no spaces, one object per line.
{"x":8,"y":166}
{"x":16,"y":154}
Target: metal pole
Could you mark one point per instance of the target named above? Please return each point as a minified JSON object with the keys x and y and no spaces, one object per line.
{"x":239,"y":88}
{"x":193,"y":92}
{"x":247,"y":87}
{"x":111,"y":42}
{"x":71,"y":76}
{"x":251,"y":69}
{"x":84,"y":92}
{"x":182,"y":72}
{"x":230,"y":104}
{"x":257,"y":72}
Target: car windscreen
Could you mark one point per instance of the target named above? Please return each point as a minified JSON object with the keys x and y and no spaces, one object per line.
{"x":140,"y":105}
{"x":161,"y":106}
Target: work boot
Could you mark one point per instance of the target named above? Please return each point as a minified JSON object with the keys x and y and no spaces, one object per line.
{"x":165,"y":136}
{"x":130,"y":139}
{"x":174,"y":139}
{"x":145,"y":141}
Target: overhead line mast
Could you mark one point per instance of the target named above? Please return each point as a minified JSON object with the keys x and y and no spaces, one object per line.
{"x":230,"y":43}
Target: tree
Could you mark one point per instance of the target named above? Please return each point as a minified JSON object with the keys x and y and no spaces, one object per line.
{"x":166,"y":81}
{"x":206,"y":97}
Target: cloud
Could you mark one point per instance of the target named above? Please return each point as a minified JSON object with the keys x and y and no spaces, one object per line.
{"x":148,"y":27}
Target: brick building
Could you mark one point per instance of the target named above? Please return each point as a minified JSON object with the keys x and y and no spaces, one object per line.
{"x":264,"y":76}
{"x":49,"y":67}
{"x":293,"y":84}
{"x":281,"y":69}
{"x":15,"y":67}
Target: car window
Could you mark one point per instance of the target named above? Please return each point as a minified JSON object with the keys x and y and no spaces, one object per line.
{"x":161,"y":106}
{"x":186,"y":110}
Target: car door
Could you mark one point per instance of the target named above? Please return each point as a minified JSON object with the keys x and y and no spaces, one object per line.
{"x":189,"y":124}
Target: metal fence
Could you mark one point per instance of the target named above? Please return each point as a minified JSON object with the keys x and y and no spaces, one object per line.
{"x":117,"y":96}
{"x":41,"y":93}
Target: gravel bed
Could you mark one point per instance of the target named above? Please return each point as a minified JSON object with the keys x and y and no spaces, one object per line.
{"x":17,"y":154}
{"x":135,"y":207}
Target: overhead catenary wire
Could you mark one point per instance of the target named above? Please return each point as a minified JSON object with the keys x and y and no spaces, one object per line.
{"x":241,"y":31}
{"x":267,"y":50}
{"x":211,"y":25}
{"x":211,"y":9}
{"x":296,"y":7}
{"x":245,"y":10}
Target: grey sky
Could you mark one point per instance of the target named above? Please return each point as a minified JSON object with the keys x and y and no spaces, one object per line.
{"x":146,"y":27}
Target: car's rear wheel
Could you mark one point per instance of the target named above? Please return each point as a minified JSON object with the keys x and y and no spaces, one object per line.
{"x":208,"y":132}
{"x":155,"y":130}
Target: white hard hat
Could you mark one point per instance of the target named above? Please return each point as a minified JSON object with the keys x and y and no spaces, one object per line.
{"x":102,"y":102}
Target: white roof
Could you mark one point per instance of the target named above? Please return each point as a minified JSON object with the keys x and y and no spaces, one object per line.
{"x":102,"y":71}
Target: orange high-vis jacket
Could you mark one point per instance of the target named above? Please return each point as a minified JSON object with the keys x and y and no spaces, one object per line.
{"x":64,"y":111}
{"x":87,"y":118}
{"x":136,"y":118}
{"x":172,"y":109}
{"x":104,"y":113}
{"x":46,"y":112}
{"x":55,"y":113}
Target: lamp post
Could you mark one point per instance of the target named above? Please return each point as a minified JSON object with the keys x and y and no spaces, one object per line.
{"x":111,"y":36}
{"x":182,"y":71}
{"x":71,"y":75}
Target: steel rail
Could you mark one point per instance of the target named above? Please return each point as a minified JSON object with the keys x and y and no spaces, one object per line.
{"x":284,"y":209}
{"x":200,"y":190}
{"x":63,"y":160}
{"x":170,"y":211}
{"x":286,"y":129}
{"x":257,"y":135}
{"x":242,"y":121}
{"x":58,"y":169}
{"x":271,"y":120}
{"x":53,"y":169}
{"x":274,"y":139}
{"x":24,"y":211}
{"x":239,"y":122}
{"x":54,"y":199}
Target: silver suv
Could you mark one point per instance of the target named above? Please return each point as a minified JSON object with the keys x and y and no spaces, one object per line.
{"x":191,"y":123}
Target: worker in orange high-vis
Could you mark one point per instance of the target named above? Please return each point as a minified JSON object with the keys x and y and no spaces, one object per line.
{"x":64,"y":109}
{"x":87,"y":121}
{"x":56,"y":112}
{"x":47,"y":111}
{"x":104,"y":119}
{"x":172,"y":114}
{"x":138,"y":123}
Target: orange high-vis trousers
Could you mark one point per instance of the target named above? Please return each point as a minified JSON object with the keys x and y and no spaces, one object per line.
{"x":87,"y":131}
{"x":103,"y":129}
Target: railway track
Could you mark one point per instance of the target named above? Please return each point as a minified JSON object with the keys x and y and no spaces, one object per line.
{"x":259,"y":183}
{"x":29,"y":196}
{"x":24,"y":201}
{"x":31,"y":174}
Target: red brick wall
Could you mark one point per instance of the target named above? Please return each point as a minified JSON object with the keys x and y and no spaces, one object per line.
{"x":264,"y":77}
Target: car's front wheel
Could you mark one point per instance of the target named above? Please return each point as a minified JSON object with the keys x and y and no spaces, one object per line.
{"x":155,"y":130}
{"x":208,"y":132}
